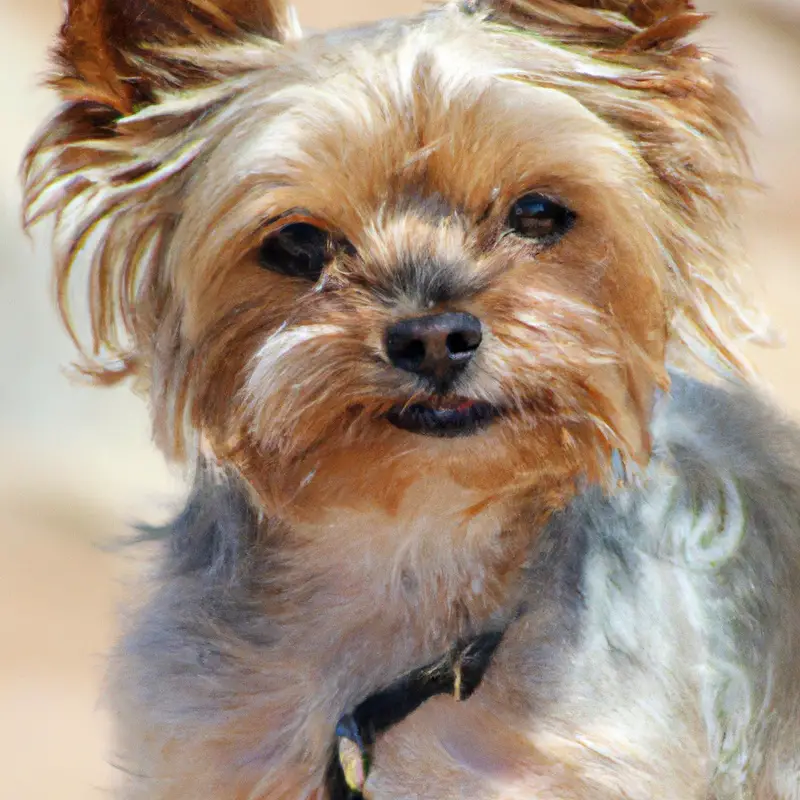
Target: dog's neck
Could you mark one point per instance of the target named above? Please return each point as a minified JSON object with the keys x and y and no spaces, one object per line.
{"x":407,"y":585}
{"x":437,"y":572}
{"x":440,"y":539}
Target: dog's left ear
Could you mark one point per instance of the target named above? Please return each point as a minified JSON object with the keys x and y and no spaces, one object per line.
{"x":119,"y":53}
{"x":629,"y":25}
{"x":643,"y":72}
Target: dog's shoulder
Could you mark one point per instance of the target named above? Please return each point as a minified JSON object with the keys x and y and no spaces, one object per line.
{"x":727,"y":427}
{"x":724,"y":473}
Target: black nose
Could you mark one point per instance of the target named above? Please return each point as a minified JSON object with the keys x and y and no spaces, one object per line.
{"x":436,"y":347}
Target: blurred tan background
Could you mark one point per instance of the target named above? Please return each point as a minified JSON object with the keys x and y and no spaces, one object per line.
{"x":76,"y":464}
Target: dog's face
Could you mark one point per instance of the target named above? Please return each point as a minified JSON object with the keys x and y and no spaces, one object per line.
{"x":408,"y":259}
{"x":447,"y":248}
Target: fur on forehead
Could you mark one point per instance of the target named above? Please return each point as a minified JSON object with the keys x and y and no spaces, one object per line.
{"x":363,"y":157}
{"x":147,"y":102}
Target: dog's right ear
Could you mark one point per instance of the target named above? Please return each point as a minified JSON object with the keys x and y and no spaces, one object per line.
{"x":140,"y":81}
{"x":120,"y":53}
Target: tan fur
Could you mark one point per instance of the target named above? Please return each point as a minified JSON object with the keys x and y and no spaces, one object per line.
{"x":191,"y":130}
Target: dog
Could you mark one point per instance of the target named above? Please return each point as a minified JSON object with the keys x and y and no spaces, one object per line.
{"x":440,"y":315}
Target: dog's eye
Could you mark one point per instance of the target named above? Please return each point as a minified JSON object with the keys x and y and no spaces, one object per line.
{"x":535,"y":216}
{"x":300,"y":250}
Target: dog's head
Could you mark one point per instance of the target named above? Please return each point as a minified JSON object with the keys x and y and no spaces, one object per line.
{"x":458,"y":245}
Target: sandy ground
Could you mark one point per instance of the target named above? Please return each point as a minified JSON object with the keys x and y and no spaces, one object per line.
{"x":77,"y":464}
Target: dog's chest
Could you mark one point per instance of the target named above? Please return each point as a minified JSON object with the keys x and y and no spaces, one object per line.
{"x":405,"y":587}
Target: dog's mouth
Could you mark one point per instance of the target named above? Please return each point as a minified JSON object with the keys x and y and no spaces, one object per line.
{"x":456,"y":417}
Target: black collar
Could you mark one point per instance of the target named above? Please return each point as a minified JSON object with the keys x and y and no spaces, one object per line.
{"x":458,"y":673}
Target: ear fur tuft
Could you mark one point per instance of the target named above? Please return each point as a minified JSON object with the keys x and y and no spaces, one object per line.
{"x":615,"y":24}
{"x":116,"y":53}
{"x":137,"y":78}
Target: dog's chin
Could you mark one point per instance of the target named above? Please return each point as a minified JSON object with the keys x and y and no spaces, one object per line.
{"x":457,"y":417}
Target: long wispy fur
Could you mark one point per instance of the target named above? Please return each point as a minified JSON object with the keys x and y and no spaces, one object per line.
{"x":645,"y":523}
{"x":120,"y":164}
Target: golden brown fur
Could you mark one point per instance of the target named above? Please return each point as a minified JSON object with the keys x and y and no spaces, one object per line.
{"x":672,"y":124}
{"x":193,"y":129}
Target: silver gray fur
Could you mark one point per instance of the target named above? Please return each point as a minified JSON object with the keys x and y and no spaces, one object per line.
{"x":674,"y":605}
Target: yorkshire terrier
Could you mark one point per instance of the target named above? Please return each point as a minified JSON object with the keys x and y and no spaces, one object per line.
{"x":441,"y":316}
